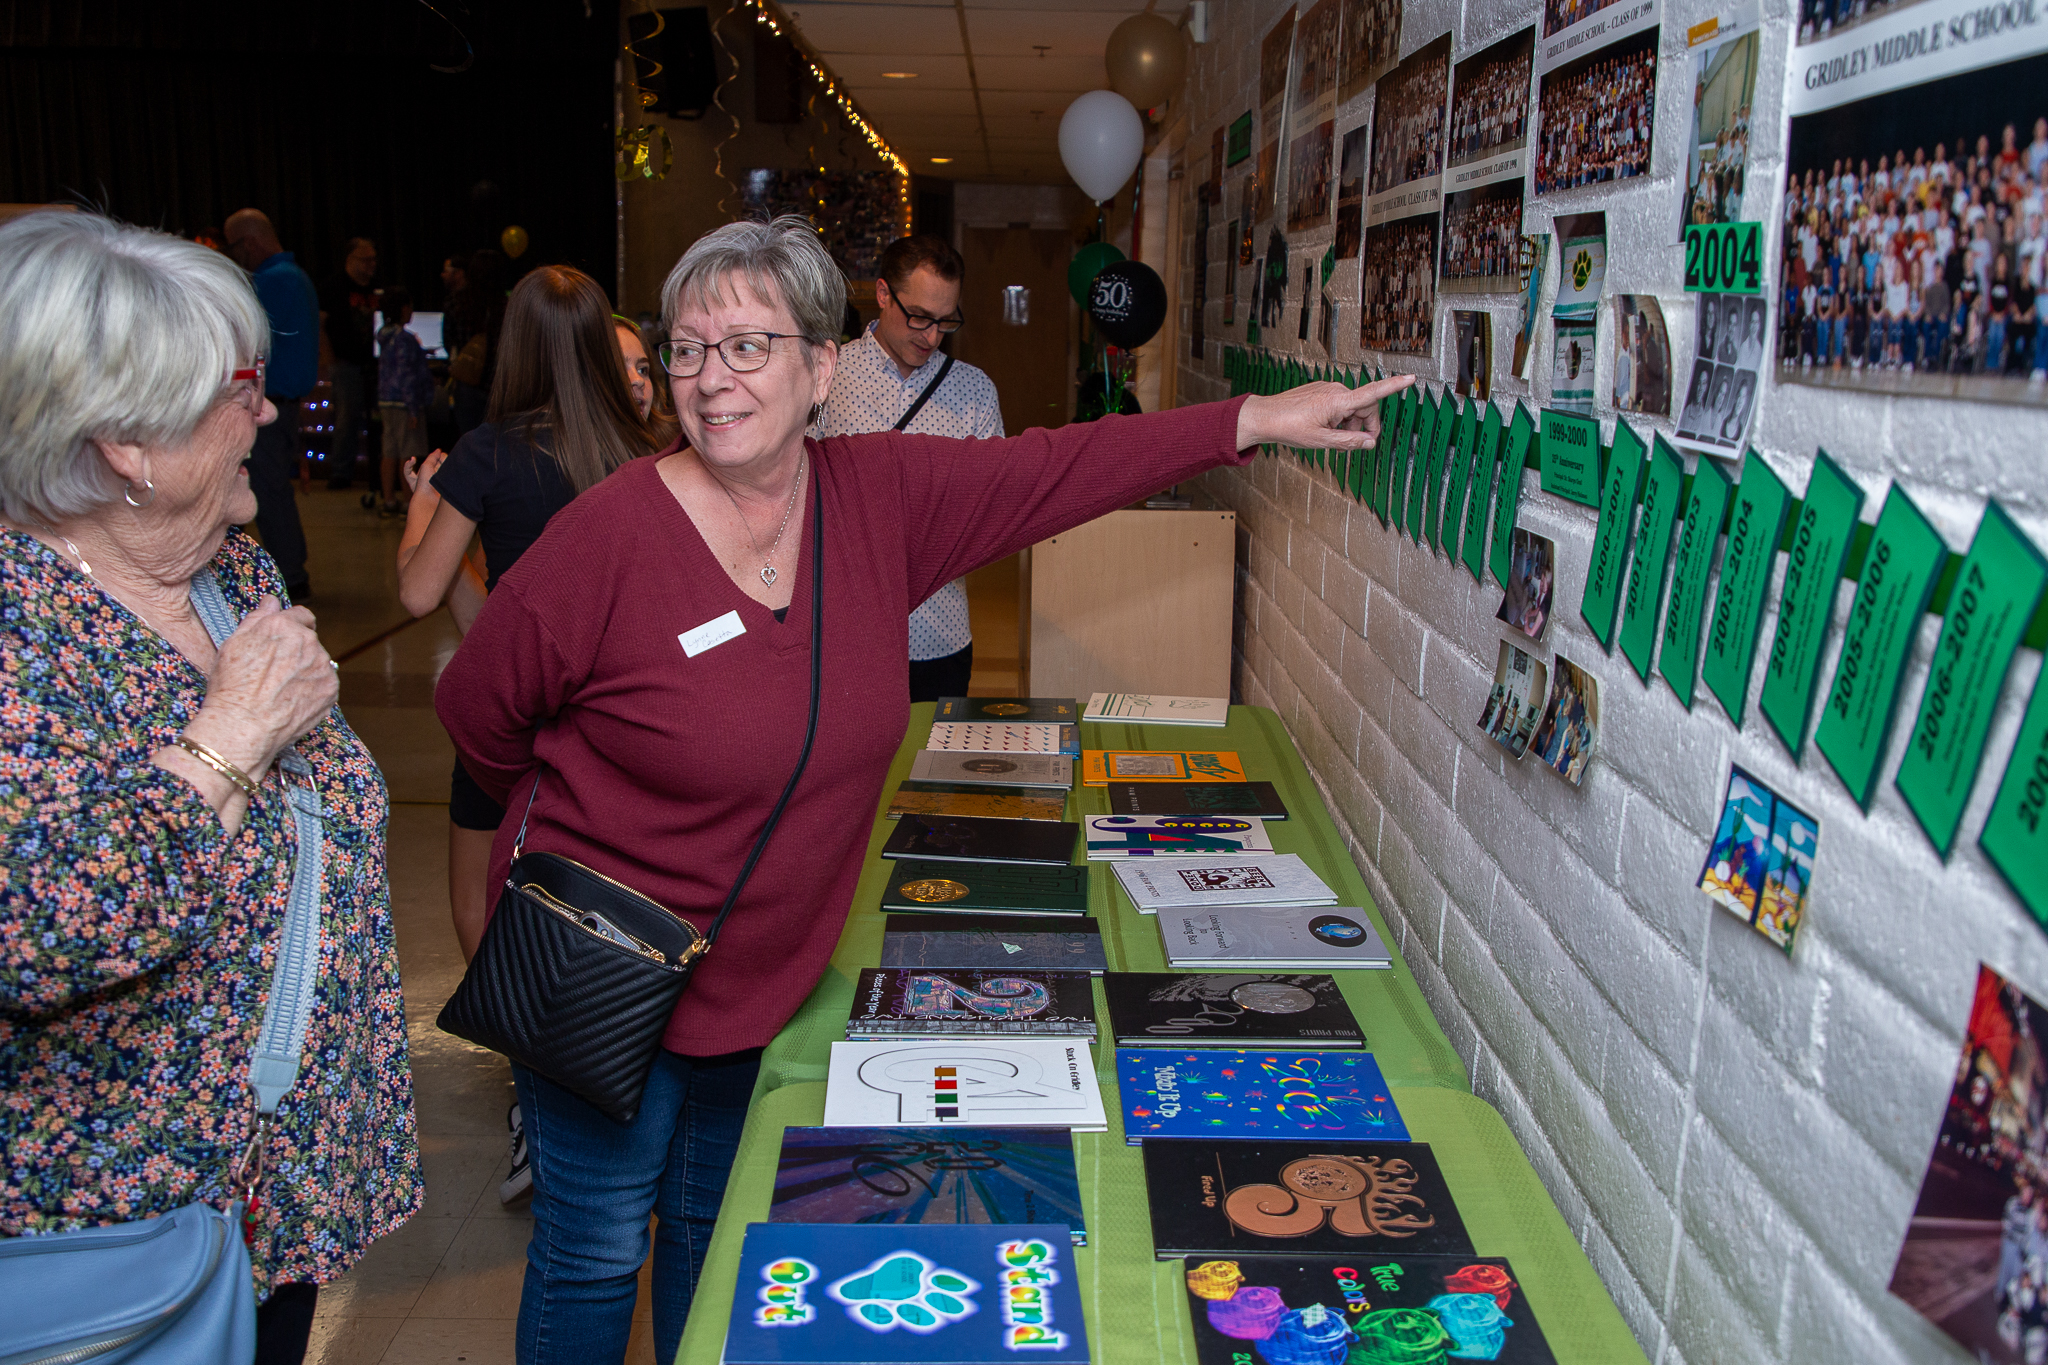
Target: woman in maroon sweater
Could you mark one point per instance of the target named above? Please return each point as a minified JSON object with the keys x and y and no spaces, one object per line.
{"x":634,"y":668}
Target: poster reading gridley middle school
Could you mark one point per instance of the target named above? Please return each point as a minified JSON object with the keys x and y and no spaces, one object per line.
{"x":1912,"y":152}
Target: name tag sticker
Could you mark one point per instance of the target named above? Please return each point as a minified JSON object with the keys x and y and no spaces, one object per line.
{"x":711,"y":634}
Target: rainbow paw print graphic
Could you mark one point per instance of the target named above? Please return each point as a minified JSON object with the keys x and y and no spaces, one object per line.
{"x":903,"y":1289}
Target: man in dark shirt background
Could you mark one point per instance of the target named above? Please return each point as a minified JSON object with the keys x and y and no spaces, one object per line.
{"x":287,"y":295}
{"x":347,"y":303}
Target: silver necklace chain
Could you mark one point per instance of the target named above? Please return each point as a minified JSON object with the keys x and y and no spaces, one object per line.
{"x":767,"y":567}
{"x":48,"y":529}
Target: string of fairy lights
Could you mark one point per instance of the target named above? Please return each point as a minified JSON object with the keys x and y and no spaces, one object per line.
{"x":766,"y":12}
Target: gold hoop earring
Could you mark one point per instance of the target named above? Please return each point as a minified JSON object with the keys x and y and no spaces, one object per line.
{"x":128,"y":494}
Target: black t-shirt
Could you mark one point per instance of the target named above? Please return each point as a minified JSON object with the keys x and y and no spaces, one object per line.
{"x":348,"y":306}
{"x":508,"y":488}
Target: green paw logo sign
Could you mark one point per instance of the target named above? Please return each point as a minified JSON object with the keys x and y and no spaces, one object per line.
{"x":1582,"y":268}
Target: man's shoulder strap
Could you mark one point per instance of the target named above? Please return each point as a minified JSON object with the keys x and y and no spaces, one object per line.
{"x":918,"y":405}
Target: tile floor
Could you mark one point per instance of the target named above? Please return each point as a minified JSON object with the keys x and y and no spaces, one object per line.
{"x":445,"y":1288}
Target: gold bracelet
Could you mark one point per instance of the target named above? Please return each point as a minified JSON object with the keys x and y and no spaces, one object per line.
{"x":220,"y":765}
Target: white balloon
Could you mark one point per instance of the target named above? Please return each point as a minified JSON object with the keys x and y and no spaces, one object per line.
{"x":1102,"y":140}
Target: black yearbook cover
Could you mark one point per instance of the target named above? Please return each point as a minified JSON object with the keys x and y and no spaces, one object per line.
{"x":1401,"y":1308}
{"x":1256,"y":799}
{"x":1051,"y":942}
{"x":961,"y":838}
{"x":1229,"y":1009}
{"x":1357,"y":1199}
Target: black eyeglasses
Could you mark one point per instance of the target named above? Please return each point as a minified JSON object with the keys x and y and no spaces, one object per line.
{"x":742,"y":352}
{"x":920,"y":323}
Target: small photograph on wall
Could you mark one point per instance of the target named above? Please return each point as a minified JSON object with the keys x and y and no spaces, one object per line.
{"x":1571,"y":722}
{"x":1760,"y":865}
{"x":1532,"y":578}
{"x":1369,"y":43}
{"x":1642,"y":356}
{"x":1727,"y":359}
{"x":1351,"y":194}
{"x":1914,"y":213}
{"x":1724,"y":61}
{"x":1515,"y":701}
{"x":1244,"y":219}
{"x":1535,"y":260}
{"x":1326,"y":322}
{"x":1971,"y":1261}
{"x":1404,"y":175}
{"x":1397,"y":286}
{"x":1230,"y":274}
{"x":1582,"y":255}
{"x":1483,"y":239}
{"x":1475,"y":354}
{"x":1273,"y":285}
{"x":1308,"y":299}
{"x":1571,"y":366}
{"x":1594,"y":115}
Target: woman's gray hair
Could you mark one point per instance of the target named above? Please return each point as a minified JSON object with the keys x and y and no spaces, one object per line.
{"x":107,"y":333}
{"x":781,"y":259}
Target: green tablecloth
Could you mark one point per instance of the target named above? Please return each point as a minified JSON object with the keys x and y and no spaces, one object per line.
{"x":1135,"y":1307}
{"x":1399,"y":1028}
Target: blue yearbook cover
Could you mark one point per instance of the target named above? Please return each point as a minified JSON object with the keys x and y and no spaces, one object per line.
{"x":928,"y":1175}
{"x":1277,"y":1095}
{"x":878,"y":1294}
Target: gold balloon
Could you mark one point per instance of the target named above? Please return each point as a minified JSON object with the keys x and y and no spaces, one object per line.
{"x":1147,"y":60}
{"x":513,"y":239}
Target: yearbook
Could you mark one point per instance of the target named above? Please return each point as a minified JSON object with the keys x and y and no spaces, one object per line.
{"x":989,"y":737}
{"x":1320,"y":936}
{"x":1110,"y":837}
{"x":966,"y":838}
{"x":1281,"y":1095}
{"x":1008,"y":770}
{"x":1255,"y":799}
{"x":893,"y":1002}
{"x":906,"y":1294}
{"x":986,"y":888}
{"x":1406,"y":1307}
{"x":1152,"y":709}
{"x":1188,"y":884}
{"x":982,"y":802}
{"x":1008,"y":710}
{"x":1100,"y":767}
{"x":1365,"y":1199}
{"x":1054,"y":943}
{"x":928,"y":1175}
{"x":1229,"y":1009}
{"x":962,"y":1083}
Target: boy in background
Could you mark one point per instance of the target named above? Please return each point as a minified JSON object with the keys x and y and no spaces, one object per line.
{"x":404,"y":389}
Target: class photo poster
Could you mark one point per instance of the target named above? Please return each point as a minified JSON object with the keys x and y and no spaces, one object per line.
{"x":1594,"y":115}
{"x":1485,"y":165}
{"x":1724,"y":62}
{"x":1535,"y":263}
{"x":1972,"y":1259}
{"x":1570,"y":731}
{"x":1370,"y":42}
{"x":1397,"y":288}
{"x":1720,"y":392}
{"x":1509,"y":717}
{"x":1351,"y":193}
{"x":1474,"y":331}
{"x":1483,"y":239}
{"x":1642,"y":356}
{"x":1311,"y":117}
{"x":1404,"y":174}
{"x":1760,"y":865}
{"x":1532,"y":582}
{"x":1916,"y":163}
{"x":1571,"y":365}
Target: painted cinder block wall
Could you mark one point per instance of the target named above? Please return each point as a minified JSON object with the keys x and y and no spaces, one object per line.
{"x":1736,"y":1137}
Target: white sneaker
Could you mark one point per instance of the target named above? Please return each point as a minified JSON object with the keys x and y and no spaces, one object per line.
{"x":519,"y":1183}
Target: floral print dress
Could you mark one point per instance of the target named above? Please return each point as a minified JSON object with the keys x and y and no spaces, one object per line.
{"x":137,"y":941}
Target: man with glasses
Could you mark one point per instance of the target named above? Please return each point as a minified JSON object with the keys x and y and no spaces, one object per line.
{"x":288,"y":297}
{"x":896,"y":369}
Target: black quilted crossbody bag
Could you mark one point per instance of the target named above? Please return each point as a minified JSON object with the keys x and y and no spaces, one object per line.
{"x":577,"y":974}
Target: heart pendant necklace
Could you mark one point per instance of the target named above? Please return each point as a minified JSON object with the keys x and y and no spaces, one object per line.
{"x":767,"y":566}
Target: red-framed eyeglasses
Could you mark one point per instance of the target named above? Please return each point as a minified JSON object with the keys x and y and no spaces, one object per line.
{"x":246,"y":386}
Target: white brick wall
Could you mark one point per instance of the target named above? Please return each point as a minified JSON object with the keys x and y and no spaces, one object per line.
{"x":1737,"y":1138}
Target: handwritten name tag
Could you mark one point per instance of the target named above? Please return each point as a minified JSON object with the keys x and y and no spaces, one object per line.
{"x":711,"y":634}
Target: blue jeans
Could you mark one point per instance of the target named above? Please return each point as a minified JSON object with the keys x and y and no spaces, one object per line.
{"x":594,"y":1184}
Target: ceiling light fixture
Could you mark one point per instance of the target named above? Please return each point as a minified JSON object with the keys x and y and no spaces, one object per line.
{"x":899,"y":75}
{"x":941,"y":160}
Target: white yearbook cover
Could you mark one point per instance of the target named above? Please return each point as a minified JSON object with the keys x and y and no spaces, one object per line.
{"x":1017,"y":1083}
{"x":1111,"y":837}
{"x":1319,"y":937}
{"x":1154,"y":709}
{"x":1188,"y":883}
{"x":1001,"y":770}
{"x":961,"y":736}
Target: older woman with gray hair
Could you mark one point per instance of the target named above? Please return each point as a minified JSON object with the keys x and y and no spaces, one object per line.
{"x":633,"y":686}
{"x":147,"y":846}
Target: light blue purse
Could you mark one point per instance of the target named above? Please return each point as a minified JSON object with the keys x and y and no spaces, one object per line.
{"x":176,"y":1289}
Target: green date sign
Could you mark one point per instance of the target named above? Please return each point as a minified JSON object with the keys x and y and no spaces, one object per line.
{"x":2015,"y":835}
{"x":1724,"y":258}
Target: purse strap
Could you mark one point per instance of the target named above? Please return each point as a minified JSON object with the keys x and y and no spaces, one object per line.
{"x":274,"y":1065}
{"x":925,"y":397}
{"x":803,"y":759}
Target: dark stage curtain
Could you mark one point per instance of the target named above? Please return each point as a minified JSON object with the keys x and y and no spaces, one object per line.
{"x":328,"y":116}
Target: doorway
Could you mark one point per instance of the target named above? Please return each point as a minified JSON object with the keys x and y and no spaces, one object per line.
{"x":1018,"y":273}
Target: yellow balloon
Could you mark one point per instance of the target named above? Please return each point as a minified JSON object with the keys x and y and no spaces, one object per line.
{"x":1147,"y":60}
{"x":513,"y":239}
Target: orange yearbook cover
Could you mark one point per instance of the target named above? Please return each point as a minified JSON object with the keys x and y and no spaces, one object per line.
{"x":1100,"y":767}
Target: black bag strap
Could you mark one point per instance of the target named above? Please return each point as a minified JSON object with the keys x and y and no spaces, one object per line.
{"x":925,"y":397}
{"x":810,"y":729}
